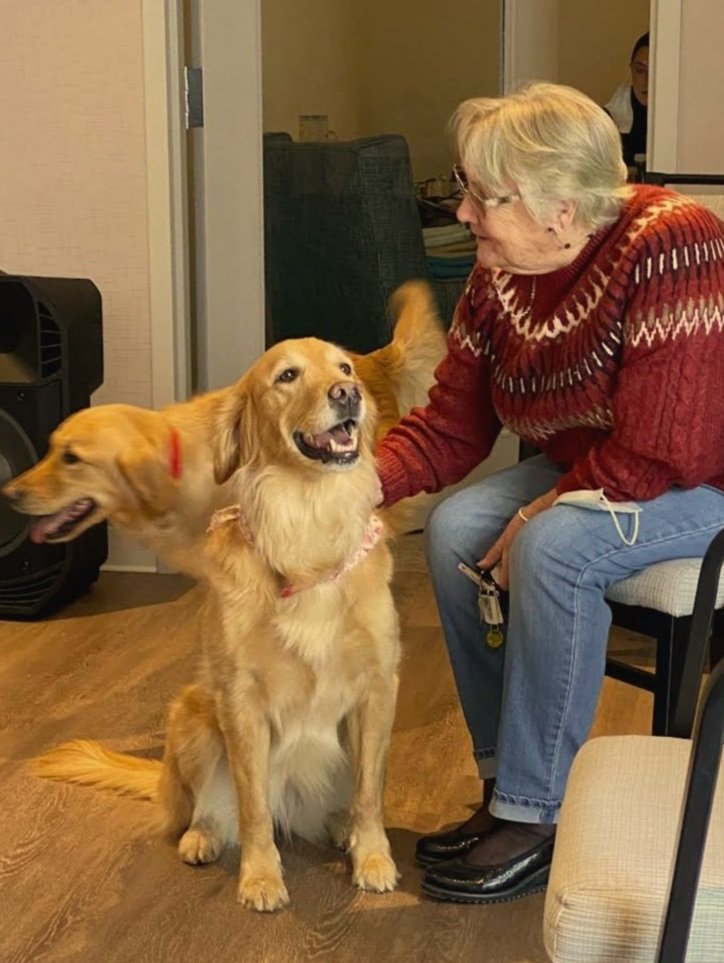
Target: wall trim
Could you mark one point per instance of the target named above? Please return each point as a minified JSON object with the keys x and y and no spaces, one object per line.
{"x":663,"y":134}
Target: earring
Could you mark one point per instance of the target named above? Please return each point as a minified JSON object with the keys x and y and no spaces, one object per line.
{"x":566,"y":246}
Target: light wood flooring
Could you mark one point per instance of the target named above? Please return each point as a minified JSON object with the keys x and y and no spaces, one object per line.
{"x":84,"y":877}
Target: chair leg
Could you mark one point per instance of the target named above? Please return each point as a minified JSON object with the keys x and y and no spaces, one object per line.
{"x":663,"y":632}
{"x":672,"y":638}
{"x":701,"y":632}
{"x":716,"y":643}
{"x":680,"y":631}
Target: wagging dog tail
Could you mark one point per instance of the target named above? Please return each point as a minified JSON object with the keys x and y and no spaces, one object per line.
{"x":416,"y":318}
{"x":90,"y":764}
{"x":418,"y":343}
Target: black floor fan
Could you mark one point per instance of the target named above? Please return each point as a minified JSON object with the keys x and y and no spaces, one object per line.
{"x":51,"y":361}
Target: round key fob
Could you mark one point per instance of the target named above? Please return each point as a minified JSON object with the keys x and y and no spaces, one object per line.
{"x":494,"y":638}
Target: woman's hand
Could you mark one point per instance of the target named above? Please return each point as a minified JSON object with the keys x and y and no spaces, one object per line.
{"x":499,"y":553}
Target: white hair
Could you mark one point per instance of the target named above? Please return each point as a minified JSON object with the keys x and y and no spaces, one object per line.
{"x":549,"y":143}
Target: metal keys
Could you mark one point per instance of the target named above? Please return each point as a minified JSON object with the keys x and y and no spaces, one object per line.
{"x":489,"y":608}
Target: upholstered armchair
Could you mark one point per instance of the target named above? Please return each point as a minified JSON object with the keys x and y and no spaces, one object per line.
{"x":638,"y":865}
{"x":342,"y":231}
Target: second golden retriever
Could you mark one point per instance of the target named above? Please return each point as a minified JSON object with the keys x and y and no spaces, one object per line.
{"x":289,"y":722}
{"x":150,"y":473}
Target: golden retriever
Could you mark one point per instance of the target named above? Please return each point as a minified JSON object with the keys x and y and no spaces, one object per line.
{"x":289,"y":722}
{"x":150,"y":473}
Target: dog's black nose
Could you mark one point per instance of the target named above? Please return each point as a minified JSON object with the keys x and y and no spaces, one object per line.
{"x":346,"y":396}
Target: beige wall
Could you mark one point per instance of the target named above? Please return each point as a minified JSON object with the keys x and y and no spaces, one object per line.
{"x":310,"y":64}
{"x":420,"y":61}
{"x":73,"y":184}
{"x":379,"y":67}
{"x":595,"y":40}
{"x":700,"y":142}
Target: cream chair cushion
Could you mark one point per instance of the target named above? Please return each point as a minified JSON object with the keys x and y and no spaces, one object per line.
{"x":667,"y":587}
{"x":614,"y":855}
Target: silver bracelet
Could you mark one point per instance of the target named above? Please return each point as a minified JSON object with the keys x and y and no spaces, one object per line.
{"x":522,"y":516}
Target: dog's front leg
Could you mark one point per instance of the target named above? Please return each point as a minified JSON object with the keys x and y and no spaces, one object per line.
{"x":247,"y":735}
{"x":370,"y":727}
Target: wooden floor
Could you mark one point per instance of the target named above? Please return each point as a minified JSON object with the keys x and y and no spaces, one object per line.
{"x":83,"y":876}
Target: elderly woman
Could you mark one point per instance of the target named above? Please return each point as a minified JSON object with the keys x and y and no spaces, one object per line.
{"x":591,"y":326}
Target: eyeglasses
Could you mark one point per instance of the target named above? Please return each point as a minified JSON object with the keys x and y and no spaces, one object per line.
{"x":461,"y":178}
{"x":641,"y":70}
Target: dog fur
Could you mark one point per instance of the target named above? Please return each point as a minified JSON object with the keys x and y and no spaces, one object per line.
{"x":114,"y":461}
{"x":288,"y":724}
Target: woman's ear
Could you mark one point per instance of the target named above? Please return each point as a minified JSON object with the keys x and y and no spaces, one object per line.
{"x":228,"y":446}
{"x":563,"y":216}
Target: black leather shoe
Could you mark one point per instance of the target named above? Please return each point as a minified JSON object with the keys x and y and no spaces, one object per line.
{"x":461,"y":882}
{"x":442,"y":847}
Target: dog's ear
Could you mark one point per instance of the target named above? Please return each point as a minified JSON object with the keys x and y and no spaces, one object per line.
{"x":229,"y":444}
{"x":147,"y":468}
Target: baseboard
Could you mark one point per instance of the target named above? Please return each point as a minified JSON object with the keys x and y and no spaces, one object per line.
{"x":125,"y":556}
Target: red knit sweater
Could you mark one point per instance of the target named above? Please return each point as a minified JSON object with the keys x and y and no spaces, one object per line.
{"x":612,"y":366}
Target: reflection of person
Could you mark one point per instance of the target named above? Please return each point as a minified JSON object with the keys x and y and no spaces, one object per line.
{"x":592,"y":327}
{"x":629,"y":105}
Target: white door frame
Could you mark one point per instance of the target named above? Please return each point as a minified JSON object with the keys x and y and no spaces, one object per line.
{"x":229,"y":204}
{"x":166,"y":231}
{"x":228,"y":187}
{"x":166,"y":199}
{"x":228,"y":191}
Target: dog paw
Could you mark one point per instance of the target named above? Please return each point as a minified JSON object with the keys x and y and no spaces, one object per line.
{"x":199,"y":846}
{"x":376,"y":872}
{"x":263,"y":892}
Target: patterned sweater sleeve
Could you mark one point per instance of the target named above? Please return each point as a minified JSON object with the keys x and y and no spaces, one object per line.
{"x":438,"y":445}
{"x":668,"y":407}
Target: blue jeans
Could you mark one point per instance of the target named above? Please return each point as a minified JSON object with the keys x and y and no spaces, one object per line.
{"x":529,"y":704}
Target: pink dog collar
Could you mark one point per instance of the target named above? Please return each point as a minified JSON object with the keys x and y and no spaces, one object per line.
{"x":371,"y":536}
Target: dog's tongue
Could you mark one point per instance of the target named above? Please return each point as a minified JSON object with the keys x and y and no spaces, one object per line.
{"x":337,"y":434}
{"x":40,"y":528}
{"x":45,"y":525}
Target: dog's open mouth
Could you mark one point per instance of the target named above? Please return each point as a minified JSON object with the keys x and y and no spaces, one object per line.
{"x":338,"y":445}
{"x":59,"y":525}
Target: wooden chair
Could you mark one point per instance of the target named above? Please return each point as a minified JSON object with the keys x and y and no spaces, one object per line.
{"x":659,"y":602}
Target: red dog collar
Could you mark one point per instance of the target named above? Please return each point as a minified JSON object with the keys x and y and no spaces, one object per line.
{"x":174,"y":465}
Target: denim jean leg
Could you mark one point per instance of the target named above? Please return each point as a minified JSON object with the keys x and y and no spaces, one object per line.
{"x":563,"y":561}
{"x":462,"y":528}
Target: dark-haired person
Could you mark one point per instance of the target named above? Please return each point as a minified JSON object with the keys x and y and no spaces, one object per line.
{"x":629,"y":105}
{"x":592,"y":326}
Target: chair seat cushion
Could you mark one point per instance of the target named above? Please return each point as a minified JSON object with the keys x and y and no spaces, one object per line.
{"x":667,"y":587}
{"x":614,"y":854}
